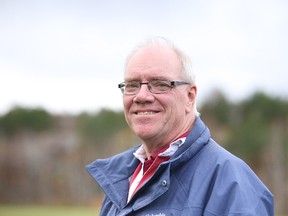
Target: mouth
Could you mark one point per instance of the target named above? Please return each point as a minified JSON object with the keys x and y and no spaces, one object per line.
{"x":145,"y":113}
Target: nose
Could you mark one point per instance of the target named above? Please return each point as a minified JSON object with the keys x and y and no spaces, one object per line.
{"x":144,"y":95}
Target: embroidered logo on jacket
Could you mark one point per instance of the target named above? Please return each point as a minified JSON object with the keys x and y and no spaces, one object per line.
{"x":160,"y":214}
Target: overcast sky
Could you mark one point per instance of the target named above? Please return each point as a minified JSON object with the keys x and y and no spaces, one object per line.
{"x":68,"y":55}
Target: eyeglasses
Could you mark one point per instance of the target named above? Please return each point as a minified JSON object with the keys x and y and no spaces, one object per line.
{"x":154,"y":86}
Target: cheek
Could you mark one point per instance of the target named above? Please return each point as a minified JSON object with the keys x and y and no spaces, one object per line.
{"x":127,"y":103}
{"x":179,"y":108}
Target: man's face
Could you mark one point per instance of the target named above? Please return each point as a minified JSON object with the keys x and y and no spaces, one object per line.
{"x":157,"y":118}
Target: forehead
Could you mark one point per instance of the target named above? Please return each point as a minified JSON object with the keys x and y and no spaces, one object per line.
{"x":153,"y":61}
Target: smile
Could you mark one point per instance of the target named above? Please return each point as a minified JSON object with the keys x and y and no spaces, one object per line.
{"x":145,"y":113}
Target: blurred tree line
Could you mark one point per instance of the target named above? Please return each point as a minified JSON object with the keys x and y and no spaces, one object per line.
{"x":43,"y":155}
{"x":21,"y":119}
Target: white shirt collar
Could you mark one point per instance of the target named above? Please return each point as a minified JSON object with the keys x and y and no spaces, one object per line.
{"x":140,"y":153}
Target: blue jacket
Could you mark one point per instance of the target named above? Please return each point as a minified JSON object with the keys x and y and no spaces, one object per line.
{"x":201,"y":178}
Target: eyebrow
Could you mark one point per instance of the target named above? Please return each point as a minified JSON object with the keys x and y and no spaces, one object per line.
{"x":153,"y":78}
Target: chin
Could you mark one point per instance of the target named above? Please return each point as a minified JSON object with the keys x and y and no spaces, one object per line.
{"x":144,"y":134}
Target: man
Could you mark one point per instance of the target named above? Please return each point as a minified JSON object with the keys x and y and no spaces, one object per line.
{"x":179,"y":169}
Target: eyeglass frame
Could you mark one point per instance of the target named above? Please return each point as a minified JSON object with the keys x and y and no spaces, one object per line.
{"x":173,"y":84}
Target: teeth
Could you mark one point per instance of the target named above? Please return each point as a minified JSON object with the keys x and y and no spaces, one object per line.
{"x":145,"y":113}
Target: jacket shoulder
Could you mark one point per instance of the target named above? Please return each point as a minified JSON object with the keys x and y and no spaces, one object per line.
{"x":108,"y":165}
{"x":233,"y":186}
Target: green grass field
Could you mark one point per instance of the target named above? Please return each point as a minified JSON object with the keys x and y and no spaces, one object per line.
{"x":11,"y":210}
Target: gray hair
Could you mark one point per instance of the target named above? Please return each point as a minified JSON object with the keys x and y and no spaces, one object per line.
{"x":184,"y":59}
{"x":186,"y":63}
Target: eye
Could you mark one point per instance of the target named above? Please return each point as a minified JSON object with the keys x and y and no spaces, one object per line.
{"x":160,"y":84}
{"x":131,"y":86}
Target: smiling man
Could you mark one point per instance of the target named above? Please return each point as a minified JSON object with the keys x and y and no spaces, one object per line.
{"x":179,"y":169}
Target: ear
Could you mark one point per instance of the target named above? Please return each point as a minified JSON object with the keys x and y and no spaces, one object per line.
{"x":191,"y":93}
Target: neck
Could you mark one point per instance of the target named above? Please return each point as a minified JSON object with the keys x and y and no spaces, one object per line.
{"x":153,"y":145}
